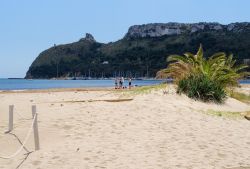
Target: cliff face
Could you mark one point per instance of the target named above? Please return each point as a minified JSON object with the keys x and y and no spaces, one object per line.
{"x":143,"y":50}
{"x":161,"y":29}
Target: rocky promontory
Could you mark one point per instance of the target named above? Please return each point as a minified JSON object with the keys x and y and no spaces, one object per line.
{"x":142,"y":51}
{"x":173,"y":28}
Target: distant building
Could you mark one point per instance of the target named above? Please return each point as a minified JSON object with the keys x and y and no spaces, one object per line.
{"x":105,"y":62}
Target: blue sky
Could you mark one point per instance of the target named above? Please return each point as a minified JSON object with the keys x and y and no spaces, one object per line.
{"x":28,"y":27}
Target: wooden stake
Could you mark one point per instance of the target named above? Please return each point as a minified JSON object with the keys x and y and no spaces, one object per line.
{"x":11,"y":110}
{"x":35,"y":128}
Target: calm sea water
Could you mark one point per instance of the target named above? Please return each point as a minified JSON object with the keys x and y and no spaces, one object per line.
{"x":22,"y":84}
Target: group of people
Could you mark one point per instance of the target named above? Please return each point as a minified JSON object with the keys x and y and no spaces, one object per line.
{"x":119,"y":83}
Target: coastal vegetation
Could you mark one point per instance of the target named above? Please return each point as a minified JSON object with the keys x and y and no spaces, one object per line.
{"x":228,"y":114}
{"x":137,"y":55}
{"x":146,"y":89}
{"x":203,"y":78}
{"x":240,"y":96}
{"x":141,"y":90}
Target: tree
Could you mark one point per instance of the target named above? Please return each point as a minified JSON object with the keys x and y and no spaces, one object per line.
{"x":201,"y":78}
{"x":218,"y":67}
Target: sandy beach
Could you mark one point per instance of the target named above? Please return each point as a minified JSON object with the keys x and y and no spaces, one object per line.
{"x":85,"y":129}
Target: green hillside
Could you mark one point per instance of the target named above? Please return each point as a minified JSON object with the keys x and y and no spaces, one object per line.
{"x":137,"y":56}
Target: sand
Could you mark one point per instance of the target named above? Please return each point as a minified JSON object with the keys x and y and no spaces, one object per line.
{"x":243,"y":89}
{"x":150,"y":131}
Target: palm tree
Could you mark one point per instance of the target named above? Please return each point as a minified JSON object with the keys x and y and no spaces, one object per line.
{"x":218,"y":67}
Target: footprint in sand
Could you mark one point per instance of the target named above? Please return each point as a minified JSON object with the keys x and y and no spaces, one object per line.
{"x":55,"y":125}
{"x":36,"y":162}
{"x":55,"y":157}
{"x":67,"y":127}
{"x":222,"y":155}
{"x":78,"y":138}
{"x":72,"y":118}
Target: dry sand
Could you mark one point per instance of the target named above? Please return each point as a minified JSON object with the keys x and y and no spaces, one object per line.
{"x":152,"y":131}
{"x":243,"y":89}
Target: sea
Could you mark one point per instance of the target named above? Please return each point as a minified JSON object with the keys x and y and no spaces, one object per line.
{"x":25,"y":84}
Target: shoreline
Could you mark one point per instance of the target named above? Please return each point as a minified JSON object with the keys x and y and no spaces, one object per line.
{"x":85,"y":89}
{"x":8,"y":85}
{"x":57,"y":90}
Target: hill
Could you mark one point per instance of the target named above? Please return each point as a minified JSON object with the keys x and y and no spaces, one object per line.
{"x":142,"y":51}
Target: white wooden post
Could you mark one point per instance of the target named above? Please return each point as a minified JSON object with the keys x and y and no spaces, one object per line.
{"x":35,"y":128}
{"x":11,"y":110}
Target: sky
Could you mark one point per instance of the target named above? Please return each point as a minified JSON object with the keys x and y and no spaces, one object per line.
{"x":28,"y":27}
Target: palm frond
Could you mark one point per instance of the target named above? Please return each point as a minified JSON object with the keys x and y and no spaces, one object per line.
{"x":218,"y":67}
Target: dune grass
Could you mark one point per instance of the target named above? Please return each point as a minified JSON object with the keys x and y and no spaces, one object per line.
{"x":147,"y":89}
{"x":141,"y":90}
{"x":227,"y":114}
{"x":240,"y":96}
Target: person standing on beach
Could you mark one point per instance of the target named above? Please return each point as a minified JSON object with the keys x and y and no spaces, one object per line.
{"x":116,"y":83}
{"x":129,"y":83}
{"x":122,"y":82}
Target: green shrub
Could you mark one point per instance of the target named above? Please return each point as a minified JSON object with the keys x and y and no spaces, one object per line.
{"x":202,"y":88}
{"x":240,"y":96}
{"x":204,"y":78}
